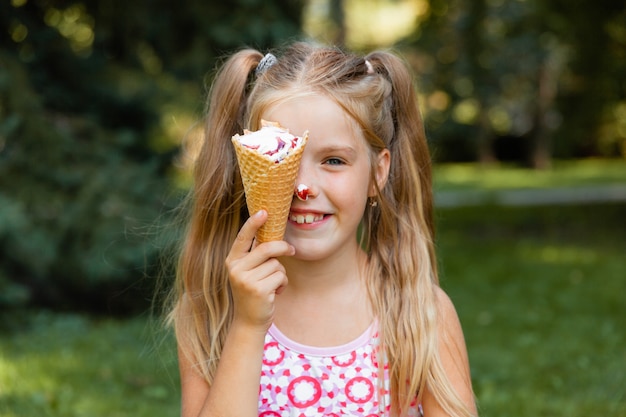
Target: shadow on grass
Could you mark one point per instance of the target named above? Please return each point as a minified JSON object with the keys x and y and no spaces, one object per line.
{"x":540,"y":293}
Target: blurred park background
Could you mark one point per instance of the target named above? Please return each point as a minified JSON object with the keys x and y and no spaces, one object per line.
{"x":525,"y":109}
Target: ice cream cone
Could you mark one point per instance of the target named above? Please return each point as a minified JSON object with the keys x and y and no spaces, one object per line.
{"x":269,"y":185}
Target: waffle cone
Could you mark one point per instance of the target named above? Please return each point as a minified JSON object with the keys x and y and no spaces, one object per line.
{"x":269,"y":186}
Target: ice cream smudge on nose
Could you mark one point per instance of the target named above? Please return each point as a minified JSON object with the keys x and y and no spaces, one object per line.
{"x":302,"y":191}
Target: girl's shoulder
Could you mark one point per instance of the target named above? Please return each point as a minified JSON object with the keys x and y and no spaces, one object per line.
{"x":452,"y":354}
{"x":448,"y":323}
{"x":445,"y":306}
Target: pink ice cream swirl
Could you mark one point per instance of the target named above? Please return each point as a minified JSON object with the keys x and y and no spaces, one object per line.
{"x":273,"y":141}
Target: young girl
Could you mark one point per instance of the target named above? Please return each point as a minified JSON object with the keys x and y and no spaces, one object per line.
{"x":345,"y":316}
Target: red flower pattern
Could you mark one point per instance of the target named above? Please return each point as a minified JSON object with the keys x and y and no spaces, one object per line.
{"x":338,"y":384}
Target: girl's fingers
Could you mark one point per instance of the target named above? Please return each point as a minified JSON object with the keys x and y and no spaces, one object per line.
{"x":265,"y":287}
{"x":270,"y":267}
{"x":255,"y":273}
{"x":245,"y":242}
{"x":258,"y":264}
{"x":275,"y":283}
{"x":245,"y":237}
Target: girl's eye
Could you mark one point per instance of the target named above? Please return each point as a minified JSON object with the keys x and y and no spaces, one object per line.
{"x":334,"y":161}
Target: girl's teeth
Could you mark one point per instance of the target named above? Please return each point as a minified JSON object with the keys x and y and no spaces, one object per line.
{"x":305,"y":218}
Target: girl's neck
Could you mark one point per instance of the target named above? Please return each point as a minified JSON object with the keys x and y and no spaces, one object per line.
{"x":327,"y":275}
{"x":324,"y":303}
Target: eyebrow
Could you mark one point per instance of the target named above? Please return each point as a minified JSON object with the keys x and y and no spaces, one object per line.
{"x":341,"y":149}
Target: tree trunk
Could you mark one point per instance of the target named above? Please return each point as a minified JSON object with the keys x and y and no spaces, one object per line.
{"x":338,"y":17}
{"x":541,"y":140}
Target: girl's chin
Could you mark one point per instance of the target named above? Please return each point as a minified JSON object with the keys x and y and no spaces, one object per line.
{"x":307,"y":249}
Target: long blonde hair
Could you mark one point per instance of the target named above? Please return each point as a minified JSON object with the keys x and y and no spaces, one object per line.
{"x":378,"y":93}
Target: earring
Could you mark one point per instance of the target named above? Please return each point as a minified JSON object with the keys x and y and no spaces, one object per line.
{"x":372,"y":202}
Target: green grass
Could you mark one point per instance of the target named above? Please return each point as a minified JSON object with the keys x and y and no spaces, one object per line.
{"x":540,"y":292}
{"x":541,"y":296}
{"x":563,"y":174}
{"x":72,"y":366}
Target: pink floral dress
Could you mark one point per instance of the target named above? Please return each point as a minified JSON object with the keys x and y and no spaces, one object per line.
{"x":302,"y":381}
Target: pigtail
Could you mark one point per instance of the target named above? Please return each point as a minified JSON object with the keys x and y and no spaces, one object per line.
{"x":403,"y":251}
{"x":409,"y":139}
{"x":204,"y":309}
{"x":228,"y":95}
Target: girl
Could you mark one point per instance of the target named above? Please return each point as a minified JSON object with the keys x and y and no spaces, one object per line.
{"x":345,"y":316}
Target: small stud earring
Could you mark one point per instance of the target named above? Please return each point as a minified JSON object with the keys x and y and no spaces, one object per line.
{"x":373,"y":202}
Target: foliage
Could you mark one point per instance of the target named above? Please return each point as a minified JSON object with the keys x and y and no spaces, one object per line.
{"x":88,"y":92}
{"x":95,"y":98}
{"x":76,"y":197}
{"x":522,"y":80}
{"x":540,"y":300}
{"x":187,"y":38}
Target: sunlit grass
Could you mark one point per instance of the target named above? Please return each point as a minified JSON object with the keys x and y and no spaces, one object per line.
{"x":68,"y":365}
{"x":563,"y":174}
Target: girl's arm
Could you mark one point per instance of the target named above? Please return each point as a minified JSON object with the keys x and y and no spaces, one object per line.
{"x":256,"y":277}
{"x":454,"y":359}
{"x":235,"y":389}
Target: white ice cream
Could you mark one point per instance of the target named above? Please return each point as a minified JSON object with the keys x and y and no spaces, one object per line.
{"x":272,"y":141}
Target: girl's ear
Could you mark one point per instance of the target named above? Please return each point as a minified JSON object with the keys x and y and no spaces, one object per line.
{"x":381,"y":171}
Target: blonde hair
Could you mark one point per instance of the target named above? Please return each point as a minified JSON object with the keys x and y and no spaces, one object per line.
{"x":378,"y":93}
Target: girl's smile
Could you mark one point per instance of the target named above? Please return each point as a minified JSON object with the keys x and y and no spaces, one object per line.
{"x":306,"y":218}
{"x":335,"y":169}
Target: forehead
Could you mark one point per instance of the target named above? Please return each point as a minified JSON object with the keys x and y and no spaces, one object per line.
{"x":322,"y":117}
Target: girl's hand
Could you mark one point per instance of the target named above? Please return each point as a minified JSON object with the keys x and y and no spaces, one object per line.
{"x":256,"y":276}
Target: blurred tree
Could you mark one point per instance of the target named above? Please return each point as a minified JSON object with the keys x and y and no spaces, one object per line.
{"x":83,"y":170}
{"x":183,"y":37}
{"x":338,"y":18}
{"x":594,"y":83}
{"x":520,"y":79}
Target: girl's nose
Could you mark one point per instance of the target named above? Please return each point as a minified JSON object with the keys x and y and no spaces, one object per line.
{"x":306,"y":180}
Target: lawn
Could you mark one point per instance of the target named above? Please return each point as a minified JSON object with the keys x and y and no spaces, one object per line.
{"x":541,"y":293}
{"x":71,"y":366}
{"x":579,"y":173}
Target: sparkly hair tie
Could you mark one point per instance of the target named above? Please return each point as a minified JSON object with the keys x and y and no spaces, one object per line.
{"x":267,"y":61}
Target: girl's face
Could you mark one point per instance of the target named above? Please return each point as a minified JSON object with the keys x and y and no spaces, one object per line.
{"x":336,"y":168}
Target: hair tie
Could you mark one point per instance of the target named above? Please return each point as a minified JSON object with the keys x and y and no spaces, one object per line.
{"x":370,"y":68}
{"x":267,"y":61}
